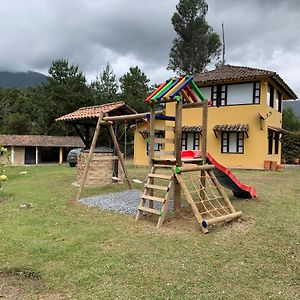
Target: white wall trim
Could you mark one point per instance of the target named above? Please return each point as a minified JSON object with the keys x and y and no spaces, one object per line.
{"x":36,"y":155}
{"x":12,"y":155}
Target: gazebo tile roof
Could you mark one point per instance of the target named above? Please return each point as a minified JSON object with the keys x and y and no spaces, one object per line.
{"x":92,"y":112}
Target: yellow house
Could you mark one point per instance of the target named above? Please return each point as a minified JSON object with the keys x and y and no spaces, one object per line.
{"x":244,"y":119}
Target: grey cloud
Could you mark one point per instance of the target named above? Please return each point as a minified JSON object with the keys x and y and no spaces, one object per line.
{"x":259,"y":33}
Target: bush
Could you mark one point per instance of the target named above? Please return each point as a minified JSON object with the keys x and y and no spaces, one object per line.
{"x":4,"y":159}
{"x":290,"y":147}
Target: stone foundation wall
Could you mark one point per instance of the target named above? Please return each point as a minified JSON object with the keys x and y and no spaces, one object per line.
{"x":101,"y":169}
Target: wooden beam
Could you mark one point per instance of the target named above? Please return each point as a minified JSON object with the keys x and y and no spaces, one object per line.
{"x":206,"y":223}
{"x":129,"y":117}
{"x":112,"y":134}
{"x":90,"y":156}
{"x":194,"y":167}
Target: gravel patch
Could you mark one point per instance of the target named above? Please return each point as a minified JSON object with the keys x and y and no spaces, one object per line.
{"x":122,"y":202}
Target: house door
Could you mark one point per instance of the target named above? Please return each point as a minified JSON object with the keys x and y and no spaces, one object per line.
{"x":30,"y":155}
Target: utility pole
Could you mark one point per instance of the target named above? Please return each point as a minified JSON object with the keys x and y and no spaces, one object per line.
{"x":223,"y":38}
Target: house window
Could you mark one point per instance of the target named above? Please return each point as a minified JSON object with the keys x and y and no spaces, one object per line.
{"x":157,"y":146}
{"x":232,"y":142}
{"x":270,"y":141}
{"x":206,"y":92}
{"x":184,"y":141}
{"x":278,"y":101}
{"x":219,"y":95}
{"x":276,"y":140}
{"x":256,"y":92}
{"x":190,"y":141}
{"x":270,"y":95}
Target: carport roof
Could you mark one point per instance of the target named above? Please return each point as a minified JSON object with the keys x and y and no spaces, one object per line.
{"x":41,"y":141}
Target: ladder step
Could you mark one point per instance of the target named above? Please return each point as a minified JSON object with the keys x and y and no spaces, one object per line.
{"x":150,"y":210}
{"x":156,"y":187}
{"x":164,"y":127}
{"x":164,"y":153}
{"x":161,"y":176}
{"x":153,"y":198}
{"x":163,"y":166}
{"x":164,"y":141}
{"x":165,"y":160}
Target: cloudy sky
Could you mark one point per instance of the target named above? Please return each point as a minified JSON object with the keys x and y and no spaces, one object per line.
{"x":259,"y":33}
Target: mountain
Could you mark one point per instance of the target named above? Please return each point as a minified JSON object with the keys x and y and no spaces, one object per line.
{"x":294,"y":105}
{"x":21,"y":79}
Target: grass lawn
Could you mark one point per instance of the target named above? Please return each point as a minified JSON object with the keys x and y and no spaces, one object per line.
{"x":61,"y":250}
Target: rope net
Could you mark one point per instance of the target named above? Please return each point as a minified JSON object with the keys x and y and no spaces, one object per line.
{"x":205,"y":194}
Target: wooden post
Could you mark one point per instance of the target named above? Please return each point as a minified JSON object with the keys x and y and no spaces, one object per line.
{"x":203,"y":147}
{"x":204,"y":130}
{"x":116,"y":162}
{"x":60,"y":155}
{"x":90,"y":156}
{"x":151,"y":148}
{"x":87,"y":135}
{"x":114,"y":139}
{"x":178,"y":137}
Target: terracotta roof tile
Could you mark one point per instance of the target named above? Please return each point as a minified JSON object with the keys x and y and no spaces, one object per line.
{"x":41,"y":141}
{"x":232,"y":127}
{"x":92,"y":112}
{"x":229,"y":73}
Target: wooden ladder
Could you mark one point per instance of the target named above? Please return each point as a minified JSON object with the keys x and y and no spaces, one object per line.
{"x":152,"y":186}
{"x":164,"y":141}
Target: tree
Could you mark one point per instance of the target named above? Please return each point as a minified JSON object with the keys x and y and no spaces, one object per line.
{"x":65,"y":92}
{"x":195,"y":44}
{"x":105,"y":87}
{"x":134,"y":87}
{"x":289,"y":120}
{"x":17,"y":123}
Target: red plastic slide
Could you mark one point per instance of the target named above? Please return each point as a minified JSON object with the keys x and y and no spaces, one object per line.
{"x":224,"y":175}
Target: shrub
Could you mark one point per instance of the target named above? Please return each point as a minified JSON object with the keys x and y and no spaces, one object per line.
{"x":290,"y":146}
{"x":4,"y":159}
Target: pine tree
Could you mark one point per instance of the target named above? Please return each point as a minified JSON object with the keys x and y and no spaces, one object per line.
{"x":65,"y":92}
{"x":134,"y":87}
{"x":195,"y":44}
{"x":105,"y":87}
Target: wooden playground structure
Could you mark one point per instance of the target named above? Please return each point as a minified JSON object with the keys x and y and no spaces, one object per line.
{"x":170,"y":174}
